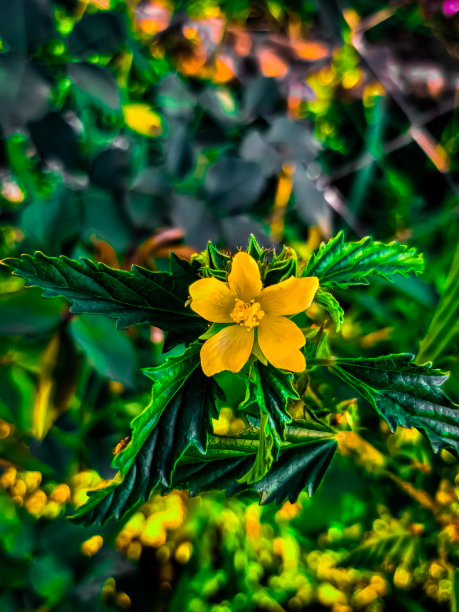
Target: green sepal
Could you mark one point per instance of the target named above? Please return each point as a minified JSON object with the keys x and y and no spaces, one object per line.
{"x":405,"y":395}
{"x":331,"y":305}
{"x":341,"y":264}
{"x":212,"y":262}
{"x":132,"y":298}
{"x":281,"y":267}
{"x":217,"y":259}
{"x":255,"y":250}
{"x":213,"y":329}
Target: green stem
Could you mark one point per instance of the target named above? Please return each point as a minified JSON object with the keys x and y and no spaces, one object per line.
{"x":321,"y":362}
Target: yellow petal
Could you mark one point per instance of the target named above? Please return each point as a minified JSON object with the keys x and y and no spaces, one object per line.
{"x":212,"y":300}
{"x":290,"y":296}
{"x":228,"y":350}
{"x":280,"y":340}
{"x":245,"y":278}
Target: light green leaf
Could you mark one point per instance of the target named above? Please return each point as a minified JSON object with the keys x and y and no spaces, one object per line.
{"x":341,"y":264}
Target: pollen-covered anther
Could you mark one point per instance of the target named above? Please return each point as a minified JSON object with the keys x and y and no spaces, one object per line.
{"x":247,"y":313}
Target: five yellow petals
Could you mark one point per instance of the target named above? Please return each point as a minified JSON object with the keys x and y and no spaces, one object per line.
{"x":257,"y":315}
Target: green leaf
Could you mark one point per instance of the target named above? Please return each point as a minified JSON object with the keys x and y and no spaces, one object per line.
{"x":269,"y":390}
{"x":454,"y":573}
{"x":331,"y":305}
{"x":211,"y":474}
{"x":138,"y":296}
{"x":301,"y":464}
{"x":445,"y":323}
{"x":109,"y":351}
{"x":168,"y":379}
{"x":341,"y":264}
{"x":52,"y":221}
{"x":405,"y":395}
{"x":178,"y":417}
{"x":299,"y":467}
{"x":386,"y":547}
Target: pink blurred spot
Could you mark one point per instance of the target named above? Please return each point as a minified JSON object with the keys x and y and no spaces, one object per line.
{"x":450,"y":7}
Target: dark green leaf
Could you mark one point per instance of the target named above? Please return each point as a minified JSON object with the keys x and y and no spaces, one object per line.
{"x":301,"y":464}
{"x":233,"y":184}
{"x":168,"y":379}
{"x":24,"y":90}
{"x":54,"y":137}
{"x":405,"y":395}
{"x":53,"y":221}
{"x":25,"y":314}
{"x":160,"y":438}
{"x":97,"y":82}
{"x":138,"y":296}
{"x":109,"y":351}
{"x":298,"y":467}
{"x":180,"y":157}
{"x":111,"y":170}
{"x":309,"y":200}
{"x":210,"y":475}
{"x":340,"y":264}
{"x":99,"y":33}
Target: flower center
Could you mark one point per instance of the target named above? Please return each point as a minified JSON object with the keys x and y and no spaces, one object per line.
{"x":247,"y":313}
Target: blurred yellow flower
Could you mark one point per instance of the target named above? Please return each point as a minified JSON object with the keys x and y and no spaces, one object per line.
{"x":258,"y":318}
{"x":143,"y":119}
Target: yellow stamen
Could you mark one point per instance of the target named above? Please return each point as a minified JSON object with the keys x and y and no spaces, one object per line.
{"x":247,"y":313}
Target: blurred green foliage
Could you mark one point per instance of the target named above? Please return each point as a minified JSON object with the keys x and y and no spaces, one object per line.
{"x":132,"y":129}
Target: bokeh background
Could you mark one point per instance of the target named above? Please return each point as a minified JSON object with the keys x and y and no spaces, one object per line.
{"x":131,"y":129}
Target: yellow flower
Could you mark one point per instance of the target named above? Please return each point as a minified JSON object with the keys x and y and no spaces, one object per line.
{"x":243,"y":302}
{"x":142,"y":118}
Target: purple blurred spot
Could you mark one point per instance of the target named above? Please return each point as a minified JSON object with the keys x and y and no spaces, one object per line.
{"x":450,"y":7}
